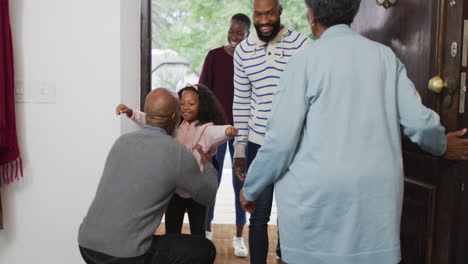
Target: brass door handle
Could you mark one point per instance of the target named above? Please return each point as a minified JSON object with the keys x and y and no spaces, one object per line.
{"x":386,"y":3}
{"x":436,"y":84}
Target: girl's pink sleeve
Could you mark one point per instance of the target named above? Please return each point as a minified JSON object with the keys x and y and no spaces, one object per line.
{"x":139,"y":117}
{"x":215,"y":136}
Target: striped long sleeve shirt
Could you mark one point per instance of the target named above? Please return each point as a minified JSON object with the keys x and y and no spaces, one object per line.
{"x":257,"y":70}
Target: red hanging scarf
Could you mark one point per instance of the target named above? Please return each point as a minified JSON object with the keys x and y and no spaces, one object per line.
{"x":10,"y":161}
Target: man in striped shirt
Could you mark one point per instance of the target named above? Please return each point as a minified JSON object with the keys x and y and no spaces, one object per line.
{"x":259,"y":62}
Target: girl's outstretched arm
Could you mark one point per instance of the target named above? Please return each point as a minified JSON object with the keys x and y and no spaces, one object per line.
{"x":217,"y":135}
{"x":135,"y":115}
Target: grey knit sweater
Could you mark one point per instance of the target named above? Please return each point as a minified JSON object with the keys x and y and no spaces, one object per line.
{"x":141,"y":173}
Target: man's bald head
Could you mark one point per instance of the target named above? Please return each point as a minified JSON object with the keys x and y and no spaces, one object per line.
{"x":162,"y":109}
{"x":278,"y":2}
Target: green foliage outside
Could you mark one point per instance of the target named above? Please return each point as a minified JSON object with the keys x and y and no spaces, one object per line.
{"x":193,"y":27}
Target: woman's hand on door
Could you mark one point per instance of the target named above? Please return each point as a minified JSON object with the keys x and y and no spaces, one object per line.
{"x":457,"y":147}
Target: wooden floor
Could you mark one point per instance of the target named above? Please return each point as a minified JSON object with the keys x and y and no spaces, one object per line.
{"x":222,"y":238}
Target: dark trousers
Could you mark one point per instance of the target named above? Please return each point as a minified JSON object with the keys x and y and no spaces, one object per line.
{"x":258,"y":228}
{"x":174,"y":216}
{"x":167,"y":249}
{"x":236,"y":184}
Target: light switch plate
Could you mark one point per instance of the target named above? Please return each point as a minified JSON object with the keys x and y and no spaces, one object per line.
{"x":44,"y":92}
{"x":22,"y":92}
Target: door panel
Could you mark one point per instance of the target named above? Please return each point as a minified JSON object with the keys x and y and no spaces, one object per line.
{"x":422,"y":33}
{"x":417,"y":225}
{"x":409,"y":28}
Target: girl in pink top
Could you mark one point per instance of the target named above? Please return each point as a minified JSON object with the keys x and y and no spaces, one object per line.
{"x":203,"y":124}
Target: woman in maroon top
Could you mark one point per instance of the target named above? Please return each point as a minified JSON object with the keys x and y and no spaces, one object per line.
{"x":218,"y":74}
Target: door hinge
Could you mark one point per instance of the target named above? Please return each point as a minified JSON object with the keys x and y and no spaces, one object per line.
{"x":463,"y":187}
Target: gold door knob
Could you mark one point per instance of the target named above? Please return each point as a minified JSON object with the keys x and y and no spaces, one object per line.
{"x":436,"y":84}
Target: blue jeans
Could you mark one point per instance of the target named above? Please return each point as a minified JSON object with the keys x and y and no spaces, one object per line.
{"x":258,"y":228}
{"x":167,"y":249}
{"x":236,"y":184}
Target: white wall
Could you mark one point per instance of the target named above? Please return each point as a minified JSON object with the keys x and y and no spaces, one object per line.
{"x":88,"y":50}
{"x":130,"y":57}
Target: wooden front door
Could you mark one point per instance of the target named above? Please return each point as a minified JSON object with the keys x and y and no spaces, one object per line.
{"x":427,"y":36}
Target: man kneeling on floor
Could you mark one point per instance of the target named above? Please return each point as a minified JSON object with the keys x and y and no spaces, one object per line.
{"x":141,"y":173}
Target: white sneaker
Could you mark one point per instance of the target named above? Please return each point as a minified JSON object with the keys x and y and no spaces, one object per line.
{"x":240,"y":250}
{"x":209,"y":235}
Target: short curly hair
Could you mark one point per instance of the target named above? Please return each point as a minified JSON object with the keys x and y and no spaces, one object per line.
{"x":333,"y":12}
{"x":242,"y":18}
{"x":209,"y":109}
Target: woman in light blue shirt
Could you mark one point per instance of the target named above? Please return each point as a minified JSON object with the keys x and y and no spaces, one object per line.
{"x":333,"y":145}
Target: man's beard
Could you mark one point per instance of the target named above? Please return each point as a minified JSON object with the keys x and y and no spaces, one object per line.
{"x":276,"y":29}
